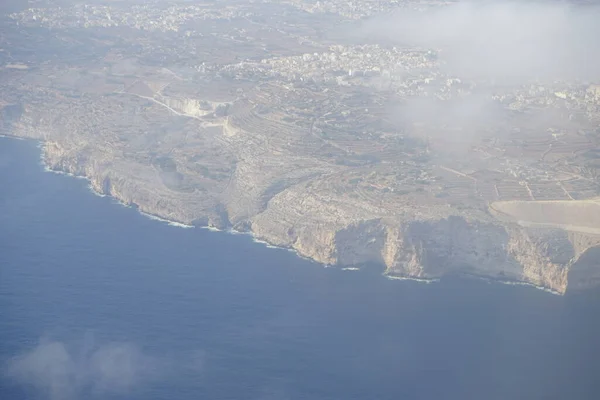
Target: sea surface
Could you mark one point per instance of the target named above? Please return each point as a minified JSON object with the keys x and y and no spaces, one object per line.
{"x":100,"y":302}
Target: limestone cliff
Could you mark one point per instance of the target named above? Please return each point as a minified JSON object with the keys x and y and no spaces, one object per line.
{"x":341,"y":201}
{"x":434,"y":247}
{"x":421,"y":242}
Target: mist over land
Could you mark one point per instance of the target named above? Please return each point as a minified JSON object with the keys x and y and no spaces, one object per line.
{"x":428,"y":138}
{"x":505,"y":42}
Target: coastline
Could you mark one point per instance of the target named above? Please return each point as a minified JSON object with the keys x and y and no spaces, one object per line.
{"x":155,"y":217}
{"x":254,"y":238}
{"x":426,"y":281}
{"x":511,"y":283}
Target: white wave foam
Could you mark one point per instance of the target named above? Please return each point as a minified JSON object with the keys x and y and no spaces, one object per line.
{"x":234,"y":232}
{"x":180,"y":225}
{"x":544,"y":289}
{"x":153,"y":217}
{"x":513,"y":283}
{"x":405,"y":278}
{"x":260,"y":241}
{"x":255,"y":240}
{"x":211,"y":228}
{"x":11,"y":137}
{"x":350,"y":269}
{"x":94,"y":191}
{"x":122,"y":203}
{"x":59,"y":172}
{"x":168,"y":222}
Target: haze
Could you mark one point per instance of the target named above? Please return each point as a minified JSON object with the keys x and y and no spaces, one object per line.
{"x":502,"y":41}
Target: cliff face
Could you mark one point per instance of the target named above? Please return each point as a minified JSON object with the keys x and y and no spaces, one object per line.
{"x":431,"y":249}
{"x":416,"y":245}
{"x":138,"y":186}
{"x":429,"y":246}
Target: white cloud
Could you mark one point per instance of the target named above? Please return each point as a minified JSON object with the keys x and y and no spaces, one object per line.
{"x":61,"y":371}
{"x":503,"y":40}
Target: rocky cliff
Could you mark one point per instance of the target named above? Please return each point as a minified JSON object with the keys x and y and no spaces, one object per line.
{"x":414,"y":245}
{"x":429,"y":248}
{"x":404,"y":203}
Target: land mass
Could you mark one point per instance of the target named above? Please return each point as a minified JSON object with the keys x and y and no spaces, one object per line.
{"x":263,"y":119}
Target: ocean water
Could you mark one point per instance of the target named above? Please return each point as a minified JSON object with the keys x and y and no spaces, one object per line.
{"x":100,"y":302}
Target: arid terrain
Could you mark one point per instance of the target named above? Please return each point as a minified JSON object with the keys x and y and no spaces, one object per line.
{"x":271,"y":118}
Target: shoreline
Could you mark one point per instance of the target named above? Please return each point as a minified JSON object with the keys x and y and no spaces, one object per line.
{"x":232,"y":231}
{"x":511,"y":283}
{"x":426,"y":281}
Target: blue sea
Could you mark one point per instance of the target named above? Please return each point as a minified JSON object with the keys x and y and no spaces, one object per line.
{"x":100,"y":302}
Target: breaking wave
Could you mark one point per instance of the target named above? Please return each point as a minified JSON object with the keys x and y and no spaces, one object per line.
{"x":405,"y":278}
{"x":94,"y":191}
{"x":513,"y":283}
{"x":11,"y":137}
{"x":168,"y":222}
